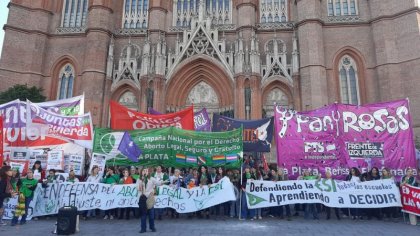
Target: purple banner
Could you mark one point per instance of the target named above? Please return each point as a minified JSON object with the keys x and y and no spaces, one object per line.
{"x":337,"y":137}
{"x":201,"y":119}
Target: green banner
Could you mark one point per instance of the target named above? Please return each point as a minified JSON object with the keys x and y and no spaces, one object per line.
{"x":173,"y":147}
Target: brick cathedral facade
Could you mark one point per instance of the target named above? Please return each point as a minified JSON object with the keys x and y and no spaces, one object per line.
{"x":235,"y":57}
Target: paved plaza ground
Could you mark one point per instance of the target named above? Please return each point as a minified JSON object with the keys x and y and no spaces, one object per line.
{"x":204,"y":227}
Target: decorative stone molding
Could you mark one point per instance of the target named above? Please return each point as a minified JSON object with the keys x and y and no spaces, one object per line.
{"x":343,"y":19}
{"x":275,"y":25}
{"x":130,"y":32}
{"x":71,"y":30}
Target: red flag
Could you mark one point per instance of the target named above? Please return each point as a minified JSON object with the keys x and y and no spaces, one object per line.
{"x":123,"y":118}
{"x":265,"y":164}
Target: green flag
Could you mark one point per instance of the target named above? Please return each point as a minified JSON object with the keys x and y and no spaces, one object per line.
{"x":254,"y":200}
{"x":173,"y":147}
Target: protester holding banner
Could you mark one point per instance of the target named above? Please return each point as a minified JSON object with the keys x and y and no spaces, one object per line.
{"x":176,"y":182}
{"x":410,"y":179}
{"x":245,"y":211}
{"x":126,"y":179}
{"x":39,"y":174}
{"x":388,"y":212}
{"x":147,"y":185}
{"x":328,"y":176}
{"x":110,"y":178}
{"x":310,"y":208}
{"x":221,"y":208}
{"x":6,"y":189}
{"x":94,"y":177}
{"x":354,"y":176}
{"x":373,"y":174}
{"x":284,"y":177}
{"x":204,"y":178}
{"x":234,"y":205}
{"x":51,"y":178}
{"x":134,"y":174}
{"x":72,"y":177}
{"x":164,"y":178}
{"x":27,"y":188}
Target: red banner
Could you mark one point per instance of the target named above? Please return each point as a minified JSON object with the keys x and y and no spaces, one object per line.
{"x":123,"y":118}
{"x":410,"y":198}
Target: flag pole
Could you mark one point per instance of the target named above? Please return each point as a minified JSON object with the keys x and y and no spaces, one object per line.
{"x":240,"y":195}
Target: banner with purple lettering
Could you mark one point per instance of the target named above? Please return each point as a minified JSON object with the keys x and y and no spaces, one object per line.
{"x":257,"y":134}
{"x":201,"y":119}
{"x":337,"y":137}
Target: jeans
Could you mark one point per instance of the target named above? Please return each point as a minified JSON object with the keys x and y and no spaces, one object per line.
{"x":23,"y":219}
{"x":288,"y":213}
{"x":234,"y":208}
{"x":244,"y":209}
{"x":310,"y":208}
{"x":151,"y":214}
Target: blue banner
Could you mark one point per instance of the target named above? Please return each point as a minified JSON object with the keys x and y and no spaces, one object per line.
{"x":257,"y":134}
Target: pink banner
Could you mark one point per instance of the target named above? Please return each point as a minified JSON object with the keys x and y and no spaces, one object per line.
{"x":338,"y":137}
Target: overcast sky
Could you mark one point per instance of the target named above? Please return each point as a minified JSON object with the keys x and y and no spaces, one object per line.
{"x":4,"y":11}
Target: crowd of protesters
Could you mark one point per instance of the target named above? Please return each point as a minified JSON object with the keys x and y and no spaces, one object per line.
{"x":148,"y":178}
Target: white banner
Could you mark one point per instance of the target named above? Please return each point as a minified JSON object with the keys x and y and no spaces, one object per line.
{"x":332,"y":193}
{"x":86,"y":196}
{"x":190,"y":200}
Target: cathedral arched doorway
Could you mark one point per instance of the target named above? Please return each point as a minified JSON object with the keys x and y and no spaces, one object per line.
{"x":201,"y":81}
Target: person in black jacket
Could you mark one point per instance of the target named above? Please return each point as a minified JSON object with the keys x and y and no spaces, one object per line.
{"x":204,"y":179}
{"x":6,"y":189}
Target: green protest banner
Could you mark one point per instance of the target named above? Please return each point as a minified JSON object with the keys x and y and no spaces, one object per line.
{"x":173,"y":147}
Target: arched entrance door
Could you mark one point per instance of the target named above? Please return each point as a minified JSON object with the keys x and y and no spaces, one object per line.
{"x":203,"y":82}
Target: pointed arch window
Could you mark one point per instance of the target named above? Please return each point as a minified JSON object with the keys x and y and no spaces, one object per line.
{"x":66,"y":82}
{"x":218,"y":10}
{"x":342,"y":7}
{"x":274,"y":11}
{"x":74,"y":13}
{"x":248,"y":99}
{"x":136,"y":13}
{"x":349,"y":83}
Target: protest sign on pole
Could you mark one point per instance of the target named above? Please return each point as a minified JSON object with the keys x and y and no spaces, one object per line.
{"x":75,"y":163}
{"x":98,"y":160}
{"x":257,"y":134}
{"x":410,"y":197}
{"x":55,"y":160}
{"x":331,"y":193}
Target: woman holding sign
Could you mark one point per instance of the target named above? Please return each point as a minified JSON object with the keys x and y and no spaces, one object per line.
{"x":146,"y":185}
{"x":6,"y":189}
{"x":410,"y":179}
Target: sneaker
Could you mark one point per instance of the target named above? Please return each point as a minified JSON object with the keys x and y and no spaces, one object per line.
{"x":241,"y":219}
{"x":2,"y":223}
{"x":106,"y":217}
{"x":260,"y":217}
{"x":111,"y":217}
{"x":271,"y":216}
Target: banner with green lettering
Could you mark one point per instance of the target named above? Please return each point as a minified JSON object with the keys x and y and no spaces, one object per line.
{"x":173,"y":147}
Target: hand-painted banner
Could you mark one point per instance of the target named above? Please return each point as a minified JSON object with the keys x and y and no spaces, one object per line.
{"x":173,"y":147}
{"x":123,"y":118}
{"x":15,"y":131}
{"x":76,"y":129}
{"x":202,"y":120}
{"x":331,"y":193}
{"x":88,"y":196}
{"x":195,"y":199}
{"x":339,"y":136}
{"x":257,"y":134}
{"x":410,"y":199}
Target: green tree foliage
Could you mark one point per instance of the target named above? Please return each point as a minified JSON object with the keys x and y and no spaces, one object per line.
{"x":22,"y":92}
